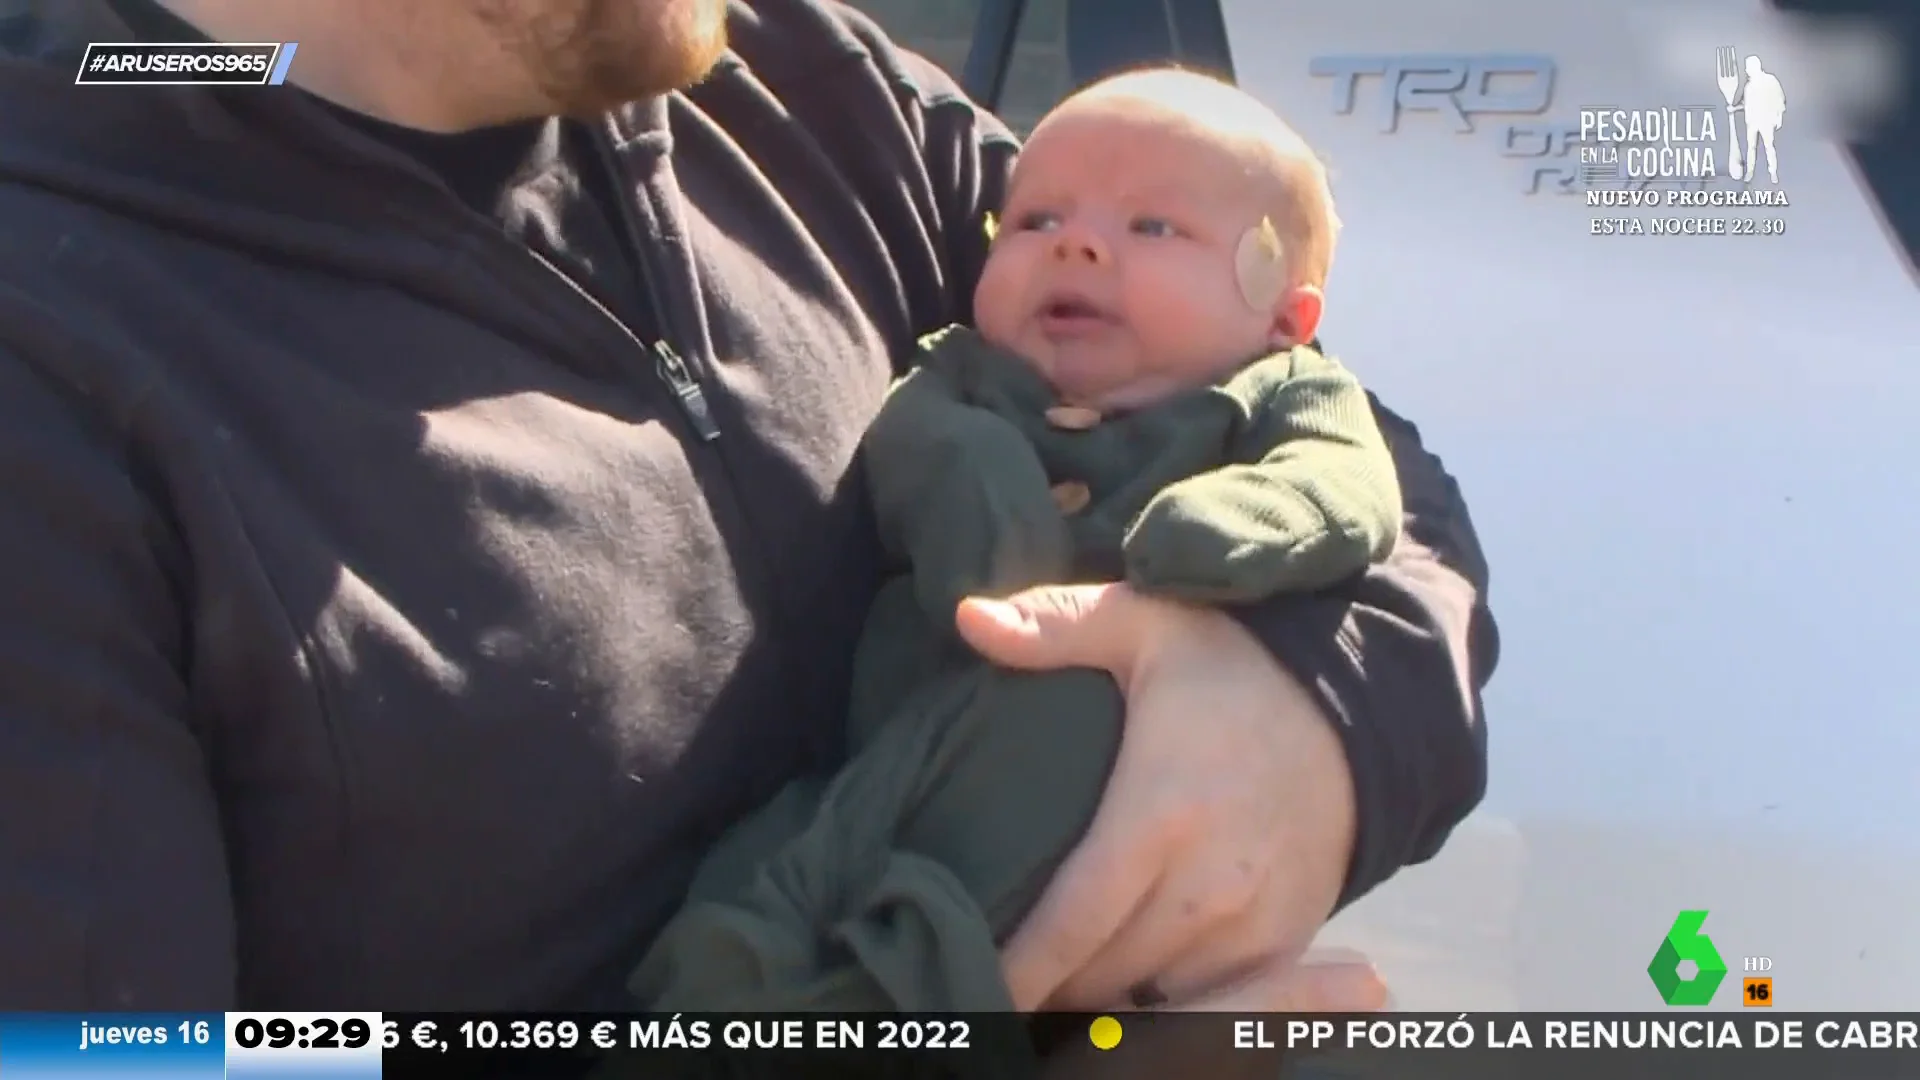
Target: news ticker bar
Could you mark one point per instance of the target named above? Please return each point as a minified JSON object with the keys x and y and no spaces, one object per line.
{"x":353,"y":1046}
{"x":128,"y":63}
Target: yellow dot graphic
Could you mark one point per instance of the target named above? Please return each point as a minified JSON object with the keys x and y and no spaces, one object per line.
{"x":1105,"y":1033}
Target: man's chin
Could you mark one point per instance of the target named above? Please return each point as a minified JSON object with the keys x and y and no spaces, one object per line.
{"x":668,"y":56}
{"x":601,"y":96}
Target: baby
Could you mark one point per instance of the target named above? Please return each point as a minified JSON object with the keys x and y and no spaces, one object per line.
{"x":1139,"y":401}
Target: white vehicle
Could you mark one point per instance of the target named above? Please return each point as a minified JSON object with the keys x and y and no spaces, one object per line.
{"x":1688,"y":448}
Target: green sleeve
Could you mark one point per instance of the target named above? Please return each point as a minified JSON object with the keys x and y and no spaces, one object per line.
{"x":961,"y":496}
{"x":1320,"y":501}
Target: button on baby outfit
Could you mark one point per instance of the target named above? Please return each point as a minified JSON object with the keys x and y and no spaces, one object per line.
{"x":1071,"y":496}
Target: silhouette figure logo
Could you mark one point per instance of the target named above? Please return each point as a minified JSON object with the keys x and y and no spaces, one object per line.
{"x":1683,"y":942}
{"x":1764,"y":104}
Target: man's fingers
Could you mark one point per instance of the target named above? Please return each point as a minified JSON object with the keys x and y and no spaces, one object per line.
{"x":1097,"y":888}
{"x":1215,"y":934}
{"x":1156,"y":945}
{"x":1328,"y":986}
{"x":1056,"y":626}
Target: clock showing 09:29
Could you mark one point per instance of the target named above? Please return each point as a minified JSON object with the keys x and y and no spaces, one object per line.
{"x":287,"y":1045}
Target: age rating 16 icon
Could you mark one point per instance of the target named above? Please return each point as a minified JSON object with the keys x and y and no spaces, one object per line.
{"x":1685,"y":941}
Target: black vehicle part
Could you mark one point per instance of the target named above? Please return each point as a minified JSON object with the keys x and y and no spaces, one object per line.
{"x":1887,"y":160}
{"x":1104,"y":36}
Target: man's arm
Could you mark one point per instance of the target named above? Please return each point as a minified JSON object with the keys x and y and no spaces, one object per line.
{"x":113,"y":883}
{"x":1398,"y":660}
{"x":1398,"y":657}
{"x":1316,"y":504}
{"x":967,"y":154}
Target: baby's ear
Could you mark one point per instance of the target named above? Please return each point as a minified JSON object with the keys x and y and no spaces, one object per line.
{"x":1296,"y":316}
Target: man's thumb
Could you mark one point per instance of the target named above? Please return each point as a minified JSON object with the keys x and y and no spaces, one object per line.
{"x":1054,"y":626}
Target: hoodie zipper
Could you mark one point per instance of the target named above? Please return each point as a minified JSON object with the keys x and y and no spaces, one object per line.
{"x":686,"y":389}
{"x":690,"y":398}
{"x":673,"y":369}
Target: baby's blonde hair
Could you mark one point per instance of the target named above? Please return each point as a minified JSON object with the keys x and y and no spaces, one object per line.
{"x":1300,"y":198}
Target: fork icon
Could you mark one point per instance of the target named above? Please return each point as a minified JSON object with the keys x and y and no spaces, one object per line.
{"x":1729,"y":72}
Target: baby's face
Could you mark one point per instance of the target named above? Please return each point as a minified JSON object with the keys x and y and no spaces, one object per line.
{"x":1112,"y":270}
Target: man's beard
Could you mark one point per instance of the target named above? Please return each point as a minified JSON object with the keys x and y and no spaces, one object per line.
{"x":589,"y":56}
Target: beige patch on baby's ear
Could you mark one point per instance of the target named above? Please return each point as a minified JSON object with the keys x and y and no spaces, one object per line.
{"x":1260,"y":265}
{"x":991,"y":227}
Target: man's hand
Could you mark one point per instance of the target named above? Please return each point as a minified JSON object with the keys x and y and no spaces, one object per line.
{"x":1223,"y":839}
